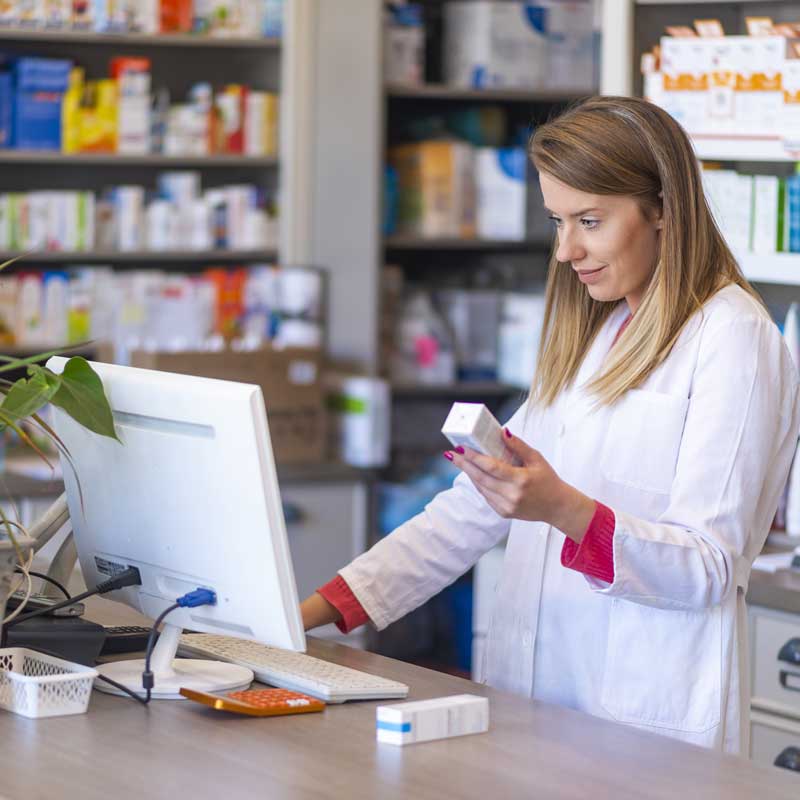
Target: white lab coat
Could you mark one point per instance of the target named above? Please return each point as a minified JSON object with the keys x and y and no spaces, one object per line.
{"x":692,"y":464}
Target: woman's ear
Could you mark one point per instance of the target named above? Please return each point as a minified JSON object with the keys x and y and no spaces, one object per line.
{"x":659,"y":212}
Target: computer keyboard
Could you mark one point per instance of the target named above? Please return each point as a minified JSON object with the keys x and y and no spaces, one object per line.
{"x":290,"y":670}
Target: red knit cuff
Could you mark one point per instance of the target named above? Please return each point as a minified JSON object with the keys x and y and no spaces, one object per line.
{"x":595,"y":554}
{"x":341,"y":597}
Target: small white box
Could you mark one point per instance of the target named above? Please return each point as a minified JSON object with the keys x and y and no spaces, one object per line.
{"x":426,"y":720}
{"x":473,"y":425}
{"x":501,"y":192}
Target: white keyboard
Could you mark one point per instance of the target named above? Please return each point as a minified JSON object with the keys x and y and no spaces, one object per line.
{"x":290,"y":670}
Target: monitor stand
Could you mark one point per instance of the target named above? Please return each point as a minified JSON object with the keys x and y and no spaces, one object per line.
{"x":172,"y":674}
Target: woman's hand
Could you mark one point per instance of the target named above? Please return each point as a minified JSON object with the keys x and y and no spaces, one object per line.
{"x":530,"y":489}
{"x":316,"y":610}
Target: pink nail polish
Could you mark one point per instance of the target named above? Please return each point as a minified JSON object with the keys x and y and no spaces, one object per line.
{"x":508,"y":433}
{"x":460,"y":451}
{"x":448,"y":455}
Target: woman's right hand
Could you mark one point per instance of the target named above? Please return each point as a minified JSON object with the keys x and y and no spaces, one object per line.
{"x":317,"y":611}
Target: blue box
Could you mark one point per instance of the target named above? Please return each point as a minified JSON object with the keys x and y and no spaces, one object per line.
{"x":39,"y":86}
{"x":6,"y":108}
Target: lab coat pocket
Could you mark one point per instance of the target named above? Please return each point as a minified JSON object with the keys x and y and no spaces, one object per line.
{"x":643,"y":440}
{"x":664,"y":667}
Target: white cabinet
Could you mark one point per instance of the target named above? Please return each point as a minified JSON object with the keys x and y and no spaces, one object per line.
{"x":775,"y":686}
{"x":326,"y":527}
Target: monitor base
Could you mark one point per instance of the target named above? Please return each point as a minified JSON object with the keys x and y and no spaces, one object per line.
{"x":189,"y":673}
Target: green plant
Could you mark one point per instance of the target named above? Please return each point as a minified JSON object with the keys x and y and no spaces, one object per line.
{"x":78,"y":391}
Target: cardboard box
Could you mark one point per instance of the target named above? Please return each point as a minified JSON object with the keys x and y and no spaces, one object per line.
{"x":40,"y":84}
{"x":290,"y":379}
{"x":436,"y":188}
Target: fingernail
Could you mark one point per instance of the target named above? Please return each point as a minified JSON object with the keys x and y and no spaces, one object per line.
{"x":448,"y":455}
{"x":460,"y":451}
{"x":508,"y":433}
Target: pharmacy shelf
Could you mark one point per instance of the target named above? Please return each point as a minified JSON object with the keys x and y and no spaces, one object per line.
{"x":440,"y":91}
{"x":783,"y":268}
{"x":455,"y":243}
{"x":56,"y":158}
{"x":142,"y":256}
{"x":146,"y":39}
{"x":465,"y":389}
{"x":743,"y":148}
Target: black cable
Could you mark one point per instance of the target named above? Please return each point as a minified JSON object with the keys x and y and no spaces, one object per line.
{"x":130,"y":577}
{"x":147,"y":676}
{"x":47,"y":578}
{"x":137,"y":697}
{"x":119,"y":686}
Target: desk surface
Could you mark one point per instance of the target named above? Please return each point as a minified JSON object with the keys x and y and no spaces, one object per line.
{"x":180,"y":749}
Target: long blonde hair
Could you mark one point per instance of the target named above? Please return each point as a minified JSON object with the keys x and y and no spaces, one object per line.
{"x":626,"y":146}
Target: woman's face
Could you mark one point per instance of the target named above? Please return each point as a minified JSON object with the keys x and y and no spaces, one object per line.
{"x":607,"y":239}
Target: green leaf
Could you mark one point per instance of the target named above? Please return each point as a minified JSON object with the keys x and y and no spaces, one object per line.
{"x":81,"y":395}
{"x":27,"y":395}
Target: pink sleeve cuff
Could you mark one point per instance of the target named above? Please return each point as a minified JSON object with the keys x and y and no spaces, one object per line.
{"x":595,"y":554}
{"x":341,"y":597}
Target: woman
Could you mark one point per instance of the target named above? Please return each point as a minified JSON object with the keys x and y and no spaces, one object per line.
{"x":649,"y":458}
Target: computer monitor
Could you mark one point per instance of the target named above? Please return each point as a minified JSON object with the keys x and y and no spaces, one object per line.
{"x":190,"y":498}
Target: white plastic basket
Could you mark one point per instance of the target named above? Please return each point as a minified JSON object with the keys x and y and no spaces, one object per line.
{"x":37,"y":685}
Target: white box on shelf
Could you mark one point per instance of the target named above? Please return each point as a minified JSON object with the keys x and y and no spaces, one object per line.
{"x":501,"y":192}
{"x":518,"y":337}
{"x":766,"y":203}
{"x":426,"y":720}
{"x":685,"y":64}
{"x":490,"y":44}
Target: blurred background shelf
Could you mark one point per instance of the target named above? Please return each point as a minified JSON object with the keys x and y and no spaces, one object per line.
{"x":743,"y":148}
{"x":55,"y":158}
{"x":132,"y":39}
{"x":780,"y":268}
{"x":452,"y":243}
{"x":145,"y":256}
{"x":455,"y":391}
{"x":440,"y":91}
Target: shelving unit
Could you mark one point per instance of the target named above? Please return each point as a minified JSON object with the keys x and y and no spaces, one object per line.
{"x":37,"y":35}
{"x":141,"y":256}
{"x":440,"y":91}
{"x":55,"y":158}
{"x":416,"y":243}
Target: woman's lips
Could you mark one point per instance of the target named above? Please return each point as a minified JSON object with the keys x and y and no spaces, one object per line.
{"x":590,"y":275}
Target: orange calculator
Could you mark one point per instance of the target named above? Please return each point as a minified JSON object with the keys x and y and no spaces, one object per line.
{"x":258,"y":702}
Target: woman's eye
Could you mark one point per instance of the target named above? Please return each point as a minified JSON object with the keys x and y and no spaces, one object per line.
{"x":590,"y":224}
{"x":555,"y":220}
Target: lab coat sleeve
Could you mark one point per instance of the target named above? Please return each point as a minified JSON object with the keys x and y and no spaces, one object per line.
{"x":422,"y":556}
{"x":738,"y":440}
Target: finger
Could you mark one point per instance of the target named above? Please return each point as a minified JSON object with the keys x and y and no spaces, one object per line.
{"x":491,"y":466}
{"x":522,"y":451}
{"x":498,"y":503}
{"x":478,"y":476}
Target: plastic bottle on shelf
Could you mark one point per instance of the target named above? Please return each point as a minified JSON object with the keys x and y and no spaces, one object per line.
{"x":425,"y":349}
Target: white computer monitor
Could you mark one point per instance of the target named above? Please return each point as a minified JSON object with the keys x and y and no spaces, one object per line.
{"x":190,"y":498}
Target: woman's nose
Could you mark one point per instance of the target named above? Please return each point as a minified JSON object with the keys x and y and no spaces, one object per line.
{"x":569,"y":248}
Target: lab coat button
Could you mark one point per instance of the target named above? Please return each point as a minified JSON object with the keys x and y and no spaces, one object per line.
{"x":562,"y":430}
{"x":527,"y":639}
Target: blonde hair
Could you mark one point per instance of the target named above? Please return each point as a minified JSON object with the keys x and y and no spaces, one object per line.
{"x":627,"y":146}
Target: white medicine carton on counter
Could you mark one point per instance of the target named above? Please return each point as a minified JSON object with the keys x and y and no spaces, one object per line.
{"x":426,"y":720}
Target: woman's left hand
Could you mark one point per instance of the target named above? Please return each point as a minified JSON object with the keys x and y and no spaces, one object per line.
{"x":528,"y":490}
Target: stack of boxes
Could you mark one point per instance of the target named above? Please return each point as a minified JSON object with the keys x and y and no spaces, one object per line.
{"x":449,"y":188}
{"x":755,"y":213}
{"x":47,"y":104}
{"x":209,"y":17}
{"x":721,"y":85}
{"x":178,"y":215}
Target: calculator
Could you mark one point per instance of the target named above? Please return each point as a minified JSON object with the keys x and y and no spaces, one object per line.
{"x":258,"y":702}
